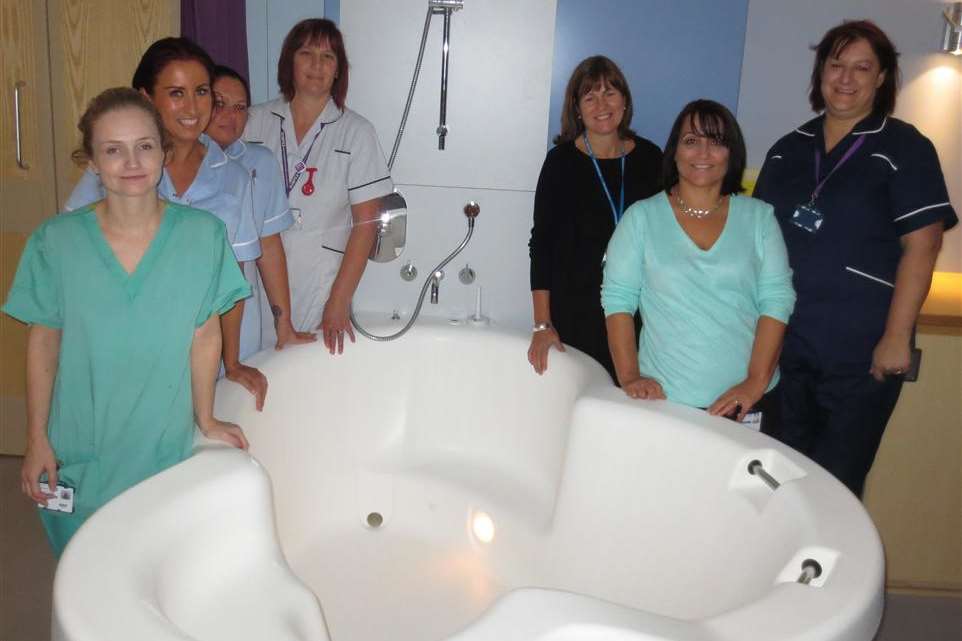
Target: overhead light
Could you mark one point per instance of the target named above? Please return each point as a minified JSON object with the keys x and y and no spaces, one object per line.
{"x":952,"y":32}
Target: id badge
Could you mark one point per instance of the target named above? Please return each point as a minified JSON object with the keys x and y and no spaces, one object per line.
{"x":298,"y":217}
{"x":62,"y":501}
{"x":753,"y":420}
{"x":808,"y":218}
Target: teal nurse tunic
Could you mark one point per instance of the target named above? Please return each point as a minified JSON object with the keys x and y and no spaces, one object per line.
{"x":121,"y":408}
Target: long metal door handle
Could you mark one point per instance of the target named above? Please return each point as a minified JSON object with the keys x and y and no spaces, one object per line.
{"x":20,"y":84}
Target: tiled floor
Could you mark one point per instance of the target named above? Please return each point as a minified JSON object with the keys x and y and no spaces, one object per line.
{"x":27,"y":568}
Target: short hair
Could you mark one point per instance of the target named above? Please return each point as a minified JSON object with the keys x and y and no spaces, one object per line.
{"x":223,"y":71}
{"x":713,"y":120}
{"x":163,"y":52}
{"x":108,"y":101}
{"x":589,"y":73}
{"x":305,"y":32}
{"x":835,"y":41}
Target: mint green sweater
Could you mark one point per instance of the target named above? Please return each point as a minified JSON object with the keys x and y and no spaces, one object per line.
{"x":699,"y":307}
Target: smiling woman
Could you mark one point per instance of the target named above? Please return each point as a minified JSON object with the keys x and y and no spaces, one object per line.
{"x":707,"y":270}
{"x":334,"y":175}
{"x":122,"y":297}
{"x":598,"y":167}
{"x":176,"y":76}
{"x":862,"y":203}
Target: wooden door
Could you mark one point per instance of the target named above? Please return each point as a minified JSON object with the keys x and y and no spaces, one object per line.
{"x":95,"y":45}
{"x":92,"y":45}
{"x":27,"y":184}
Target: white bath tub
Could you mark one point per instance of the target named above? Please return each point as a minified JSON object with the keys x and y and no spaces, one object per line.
{"x":613,"y":519}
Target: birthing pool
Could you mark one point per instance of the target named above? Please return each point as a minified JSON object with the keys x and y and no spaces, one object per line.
{"x":434,"y":488}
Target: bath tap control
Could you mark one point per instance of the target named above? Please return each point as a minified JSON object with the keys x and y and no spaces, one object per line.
{"x":409,"y":272}
{"x":466,"y":275}
{"x":436,"y":279}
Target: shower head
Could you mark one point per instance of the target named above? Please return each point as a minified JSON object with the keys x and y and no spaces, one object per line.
{"x":472,"y":209}
{"x":453,"y":5}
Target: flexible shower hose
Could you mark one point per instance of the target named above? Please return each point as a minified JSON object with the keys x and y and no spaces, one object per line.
{"x":390,"y":166}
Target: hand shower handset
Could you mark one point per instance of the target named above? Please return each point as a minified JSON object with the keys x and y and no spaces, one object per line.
{"x":471,"y":211}
{"x":446,"y":8}
{"x":381,"y":252}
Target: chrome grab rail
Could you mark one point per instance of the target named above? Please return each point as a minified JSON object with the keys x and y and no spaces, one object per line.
{"x":442,"y":130}
{"x":757,"y":469}
{"x":811,"y":569}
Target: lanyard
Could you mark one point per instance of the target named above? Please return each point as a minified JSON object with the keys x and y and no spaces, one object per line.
{"x":818,"y":166}
{"x":616,"y":213}
{"x":290,"y":181}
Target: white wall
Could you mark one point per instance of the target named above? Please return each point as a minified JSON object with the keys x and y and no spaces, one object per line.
{"x":777,"y":67}
{"x":498,"y":100}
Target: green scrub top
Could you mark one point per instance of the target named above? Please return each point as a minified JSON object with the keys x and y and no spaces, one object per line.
{"x":121,"y":408}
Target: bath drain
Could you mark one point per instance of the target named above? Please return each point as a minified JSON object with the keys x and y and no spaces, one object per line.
{"x":374,"y":519}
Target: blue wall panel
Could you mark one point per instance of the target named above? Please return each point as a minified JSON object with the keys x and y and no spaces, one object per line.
{"x":671,"y":53}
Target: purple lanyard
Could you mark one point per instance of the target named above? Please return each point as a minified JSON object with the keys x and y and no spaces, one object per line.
{"x":290,"y":181}
{"x":818,"y":166}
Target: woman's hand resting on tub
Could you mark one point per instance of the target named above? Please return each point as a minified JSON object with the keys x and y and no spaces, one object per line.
{"x":542,"y":341}
{"x":644,"y":388}
{"x":223,"y":431}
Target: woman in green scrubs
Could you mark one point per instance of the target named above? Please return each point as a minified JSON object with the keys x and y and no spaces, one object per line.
{"x":123,"y":298}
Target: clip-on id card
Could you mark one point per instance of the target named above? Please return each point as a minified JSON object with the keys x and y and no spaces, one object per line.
{"x":62,"y":501}
{"x":808,"y":218}
{"x":753,"y":420}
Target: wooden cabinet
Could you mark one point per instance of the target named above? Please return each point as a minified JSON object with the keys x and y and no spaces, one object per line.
{"x":27,"y":183}
{"x":96,"y":44}
{"x":56,"y":55}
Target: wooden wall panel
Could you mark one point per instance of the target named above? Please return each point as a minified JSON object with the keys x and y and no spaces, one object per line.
{"x":95,"y":45}
{"x":914,"y":492}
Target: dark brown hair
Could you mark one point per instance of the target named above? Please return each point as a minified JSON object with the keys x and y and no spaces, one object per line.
{"x":305,"y":32}
{"x":109,"y":101}
{"x":835,"y":41}
{"x":223,"y":71}
{"x":163,"y":52}
{"x":712,"y":120}
{"x":590,"y":73}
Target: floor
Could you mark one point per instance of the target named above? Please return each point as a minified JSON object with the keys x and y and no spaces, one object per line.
{"x":27,"y":568}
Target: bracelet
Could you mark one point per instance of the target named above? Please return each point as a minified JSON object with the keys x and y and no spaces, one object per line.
{"x":540,"y":327}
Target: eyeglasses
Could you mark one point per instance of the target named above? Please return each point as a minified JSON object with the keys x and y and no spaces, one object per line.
{"x":237,"y":107}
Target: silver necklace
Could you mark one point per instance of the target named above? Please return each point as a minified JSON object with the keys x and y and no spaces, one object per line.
{"x":697,"y":213}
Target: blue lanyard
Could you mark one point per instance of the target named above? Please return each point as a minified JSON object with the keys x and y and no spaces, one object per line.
{"x":619,"y":212}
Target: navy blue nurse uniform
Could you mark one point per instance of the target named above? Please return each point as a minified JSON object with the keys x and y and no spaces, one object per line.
{"x":834,"y":411}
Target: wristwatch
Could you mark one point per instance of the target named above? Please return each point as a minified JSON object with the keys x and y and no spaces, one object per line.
{"x":540,"y":327}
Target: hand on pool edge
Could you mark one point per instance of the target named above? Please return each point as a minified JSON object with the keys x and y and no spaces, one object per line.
{"x":252,"y":379}
{"x":644,"y":388}
{"x":738,"y":400}
{"x":335,"y":322}
{"x":541,"y":343}
{"x":229,"y":433}
{"x":287,"y":335}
